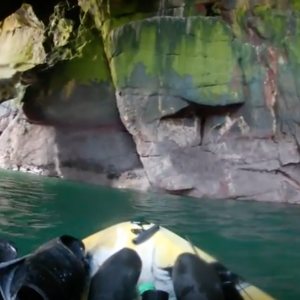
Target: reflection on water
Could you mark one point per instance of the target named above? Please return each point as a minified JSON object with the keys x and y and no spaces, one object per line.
{"x":259,"y":241}
{"x":20,"y":202}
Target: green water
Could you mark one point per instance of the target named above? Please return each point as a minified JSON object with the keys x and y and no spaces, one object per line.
{"x":259,"y":241}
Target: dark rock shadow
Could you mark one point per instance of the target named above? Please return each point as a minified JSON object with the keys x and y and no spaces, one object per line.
{"x":91,"y":143}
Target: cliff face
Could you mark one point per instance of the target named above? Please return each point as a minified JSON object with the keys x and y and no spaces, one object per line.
{"x":192,"y":97}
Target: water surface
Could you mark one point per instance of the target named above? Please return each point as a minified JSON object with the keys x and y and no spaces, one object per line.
{"x":259,"y":241}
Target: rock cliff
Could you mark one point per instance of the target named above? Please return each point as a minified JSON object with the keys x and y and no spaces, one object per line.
{"x":192,"y":97}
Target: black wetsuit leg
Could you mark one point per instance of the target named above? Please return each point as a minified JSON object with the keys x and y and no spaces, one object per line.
{"x":117,"y":278}
{"x":195,"y":279}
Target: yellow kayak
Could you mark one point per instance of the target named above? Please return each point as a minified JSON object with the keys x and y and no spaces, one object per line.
{"x":158,"y":248}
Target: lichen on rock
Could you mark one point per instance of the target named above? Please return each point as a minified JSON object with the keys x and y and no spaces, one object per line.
{"x":197,"y":65}
{"x":21,"y":48}
{"x":21,"y":42}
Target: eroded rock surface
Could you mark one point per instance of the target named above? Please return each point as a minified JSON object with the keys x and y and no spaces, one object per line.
{"x":189,"y":97}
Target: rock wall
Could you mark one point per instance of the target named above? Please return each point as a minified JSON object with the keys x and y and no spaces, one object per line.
{"x":191,"y":97}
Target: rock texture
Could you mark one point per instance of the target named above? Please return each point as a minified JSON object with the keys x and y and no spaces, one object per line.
{"x":191,"y":97}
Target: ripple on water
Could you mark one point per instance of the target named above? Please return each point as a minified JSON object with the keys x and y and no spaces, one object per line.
{"x":20,"y":205}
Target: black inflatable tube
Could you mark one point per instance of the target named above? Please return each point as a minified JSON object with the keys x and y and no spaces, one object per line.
{"x":8,"y":250}
{"x":55,"y":271}
{"x":7,"y":270}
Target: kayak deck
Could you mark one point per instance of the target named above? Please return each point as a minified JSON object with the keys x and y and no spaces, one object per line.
{"x":158,"y":246}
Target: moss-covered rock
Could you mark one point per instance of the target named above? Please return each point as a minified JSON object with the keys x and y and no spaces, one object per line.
{"x":91,"y":62}
{"x":190,"y":51}
{"x":191,"y":58}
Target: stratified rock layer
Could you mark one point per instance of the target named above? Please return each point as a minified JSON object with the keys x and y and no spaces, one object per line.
{"x":207,"y":90}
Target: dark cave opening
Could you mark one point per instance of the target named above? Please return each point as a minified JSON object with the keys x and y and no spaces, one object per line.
{"x":204,"y":112}
{"x":210,"y":10}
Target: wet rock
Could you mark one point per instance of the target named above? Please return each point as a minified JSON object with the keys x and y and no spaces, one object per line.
{"x":188,"y":97}
{"x":8,"y":112}
{"x":91,"y":155}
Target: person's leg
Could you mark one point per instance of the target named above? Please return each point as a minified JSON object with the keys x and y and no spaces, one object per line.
{"x":117,"y":278}
{"x":195,"y":279}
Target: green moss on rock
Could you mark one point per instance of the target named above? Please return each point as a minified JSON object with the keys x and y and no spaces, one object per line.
{"x":89,"y":65}
{"x":191,"y":57}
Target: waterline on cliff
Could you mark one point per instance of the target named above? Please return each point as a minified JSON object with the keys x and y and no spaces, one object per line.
{"x":203,"y":109}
